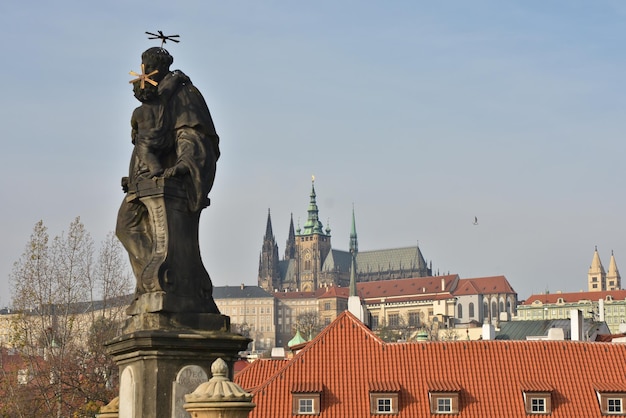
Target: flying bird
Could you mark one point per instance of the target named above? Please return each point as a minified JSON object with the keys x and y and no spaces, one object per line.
{"x":475,"y":220}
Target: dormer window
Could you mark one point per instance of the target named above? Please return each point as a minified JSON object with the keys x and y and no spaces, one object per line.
{"x":384,"y":398}
{"x":537,"y":397}
{"x":444,"y":397}
{"x":306,"y":398}
{"x":612,"y":398}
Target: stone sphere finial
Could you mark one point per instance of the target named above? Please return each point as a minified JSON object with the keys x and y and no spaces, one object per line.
{"x":219,"y":388}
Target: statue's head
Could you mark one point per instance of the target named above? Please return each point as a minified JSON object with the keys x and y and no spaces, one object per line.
{"x":157,"y":59}
{"x":153,"y":59}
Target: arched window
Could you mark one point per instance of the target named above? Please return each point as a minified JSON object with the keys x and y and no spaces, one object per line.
{"x":485,"y":309}
{"x":460,"y":311}
{"x":494,"y":309}
{"x":471,"y":309}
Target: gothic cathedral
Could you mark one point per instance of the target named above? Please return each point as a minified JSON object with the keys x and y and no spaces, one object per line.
{"x":310,"y":262}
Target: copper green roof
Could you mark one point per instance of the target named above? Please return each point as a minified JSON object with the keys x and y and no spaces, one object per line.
{"x":297,"y":339}
{"x":409,"y":258}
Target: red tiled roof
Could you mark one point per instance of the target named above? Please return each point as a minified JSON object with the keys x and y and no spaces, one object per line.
{"x":334,"y":292}
{"x":604,"y":387}
{"x":385,"y":387}
{"x":307,"y":387}
{"x":443,"y":386}
{"x":258,"y":372}
{"x":575,"y":296}
{"x":535,"y":386}
{"x":347,"y":359}
{"x":482,"y":285}
{"x":406,"y":287}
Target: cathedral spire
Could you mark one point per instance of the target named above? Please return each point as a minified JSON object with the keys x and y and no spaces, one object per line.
{"x":313,"y":224}
{"x":290,"y":248}
{"x":354,"y":244}
{"x":269,"y":234}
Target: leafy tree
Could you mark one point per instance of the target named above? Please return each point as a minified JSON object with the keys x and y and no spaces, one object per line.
{"x":67,"y":305}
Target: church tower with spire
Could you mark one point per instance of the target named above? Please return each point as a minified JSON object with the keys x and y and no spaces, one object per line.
{"x":613,"y":279}
{"x":312,"y":247}
{"x":596,"y":276}
{"x":269,"y":272}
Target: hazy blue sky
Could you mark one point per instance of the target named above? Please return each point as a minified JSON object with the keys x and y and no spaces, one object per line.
{"x":421,"y":114}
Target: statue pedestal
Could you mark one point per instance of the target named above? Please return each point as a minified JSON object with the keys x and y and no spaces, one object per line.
{"x":158,"y":367}
{"x":174,"y":331}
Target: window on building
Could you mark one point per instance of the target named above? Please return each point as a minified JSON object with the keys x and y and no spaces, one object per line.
{"x":459,"y":311}
{"x":486,"y":310}
{"x":494,"y":309}
{"x":444,"y":405}
{"x":394,"y":320}
{"x":375,"y":321}
{"x":327,"y":306}
{"x":538,"y":405}
{"x":594,"y":279}
{"x":384,"y":401}
{"x":327,"y":320}
{"x":305,"y":406}
{"x":306,"y":401}
{"x":614,"y":405}
{"x":444,"y":402}
{"x":414,"y":319}
{"x":383,"y":406}
{"x":611,"y":402}
{"x":537,"y":402}
{"x":471,"y":309}
{"x":594,"y":286}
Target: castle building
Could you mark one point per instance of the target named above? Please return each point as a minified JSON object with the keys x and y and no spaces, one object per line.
{"x":310,"y":262}
{"x":598,"y":279}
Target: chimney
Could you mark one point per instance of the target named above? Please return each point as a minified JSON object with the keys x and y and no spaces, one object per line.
{"x":242,"y":286}
{"x":443,"y":284}
{"x":601,"y":310}
{"x":576,"y":316}
{"x":489,"y":332}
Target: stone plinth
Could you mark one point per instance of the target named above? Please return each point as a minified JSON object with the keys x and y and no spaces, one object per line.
{"x":157,"y":366}
{"x":219,"y":397}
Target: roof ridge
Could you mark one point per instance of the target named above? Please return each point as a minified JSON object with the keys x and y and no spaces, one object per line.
{"x":344,"y":316}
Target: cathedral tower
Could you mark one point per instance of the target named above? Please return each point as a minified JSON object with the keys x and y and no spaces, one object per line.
{"x":312,"y":247}
{"x":613,"y":279}
{"x":269,"y":272}
{"x":596,"y":276}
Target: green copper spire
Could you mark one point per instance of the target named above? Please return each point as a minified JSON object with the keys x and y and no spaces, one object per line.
{"x":313,"y":224}
{"x":354,"y":245}
{"x":354,"y":249}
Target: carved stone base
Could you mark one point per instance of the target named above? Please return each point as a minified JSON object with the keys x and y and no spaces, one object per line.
{"x":176,"y":321}
{"x":158,"y":367}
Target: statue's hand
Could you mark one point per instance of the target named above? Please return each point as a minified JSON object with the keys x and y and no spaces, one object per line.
{"x":176,"y":171}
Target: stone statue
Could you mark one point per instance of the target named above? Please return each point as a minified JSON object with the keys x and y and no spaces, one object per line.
{"x":172,"y":169}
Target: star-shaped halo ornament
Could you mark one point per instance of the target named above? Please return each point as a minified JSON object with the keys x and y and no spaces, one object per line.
{"x":143,"y":78}
{"x":163,"y":38}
